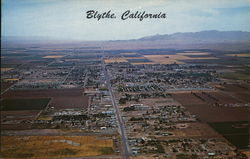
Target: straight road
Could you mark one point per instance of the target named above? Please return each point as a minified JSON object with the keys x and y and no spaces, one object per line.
{"x":117,"y":111}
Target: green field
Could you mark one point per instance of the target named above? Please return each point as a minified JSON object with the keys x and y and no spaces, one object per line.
{"x":64,"y":64}
{"x":235,"y":76}
{"x":138,"y":60}
{"x":24,"y":104}
{"x":235,"y":132}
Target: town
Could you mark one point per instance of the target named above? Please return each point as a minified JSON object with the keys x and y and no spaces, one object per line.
{"x":125,"y":104}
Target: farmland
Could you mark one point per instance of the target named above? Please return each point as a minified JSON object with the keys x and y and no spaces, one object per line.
{"x":209,"y":112}
{"x":5,"y":69}
{"x":236,"y":132}
{"x":134,"y":60}
{"x":69,"y":102}
{"x":24,"y":104}
{"x":239,"y":55}
{"x":53,"y":56}
{"x":42,"y":93}
{"x":115,"y":60}
{"x":179,"y":58}
{"x":16,"y":120}
{"x":235,"y":76}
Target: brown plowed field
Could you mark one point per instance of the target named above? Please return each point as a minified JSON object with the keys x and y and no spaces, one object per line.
{"x":42,"y":93}
{"x":13,"y":120}
{"x":209,"y":113}
{"x":69,"y":102}
{"x":218,"y":114}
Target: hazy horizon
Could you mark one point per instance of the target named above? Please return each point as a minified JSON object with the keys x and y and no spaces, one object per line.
{"x":48,"y":38}
{"x":64,"y":19}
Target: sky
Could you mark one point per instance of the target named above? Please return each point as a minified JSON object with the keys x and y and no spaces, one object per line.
{"x":66,"y":19}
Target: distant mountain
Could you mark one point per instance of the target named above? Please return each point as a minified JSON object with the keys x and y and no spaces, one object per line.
{"x":211,"y":36}
{"x":218,"y":40}
{"x":26,"y":38}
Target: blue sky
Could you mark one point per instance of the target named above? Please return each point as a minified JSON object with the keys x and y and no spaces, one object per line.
{"x":66,"y":19}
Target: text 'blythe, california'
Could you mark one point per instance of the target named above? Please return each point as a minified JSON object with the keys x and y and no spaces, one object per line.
{"x":140,"y":15}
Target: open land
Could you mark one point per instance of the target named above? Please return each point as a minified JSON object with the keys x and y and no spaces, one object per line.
{"x":55,"y":146}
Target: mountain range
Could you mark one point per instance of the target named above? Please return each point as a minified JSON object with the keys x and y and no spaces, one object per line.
{"x":212,"y":39}
{"x":203,"y":36}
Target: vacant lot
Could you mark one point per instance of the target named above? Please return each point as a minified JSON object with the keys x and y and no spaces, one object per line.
{"x":24,"y":104}
{"x":236,"y":132}
{"x":195,"y":129}
{"x":54,"y":146}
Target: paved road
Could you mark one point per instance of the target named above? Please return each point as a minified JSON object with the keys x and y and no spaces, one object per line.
{"x":118,"y":114}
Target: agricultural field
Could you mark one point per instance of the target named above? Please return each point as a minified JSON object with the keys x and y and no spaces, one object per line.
{"x":195,"y":129}
{"x":5,"y":85}
{"x":243,"y":96}
{"x":15,"y":120}
{"x":55,"y":146}
{"x":62,"y":64}
{"x":215,"y":98}
{"x":235,"y":132}
{"x":24,"y":104}
{"x":11,"y":79}
{"x":9,"y":116}
{"x":236,"y":87}
{"x":129,"y":53}
{"x":76,"y":102}
{"x":193,"y":53}
{"x":53,"y":56}
{"x":208,"y":112}
{"x":166,"y":108}
{"x":235,"y":76}
{"x":239,"y":91}
{"x":165,"y":59}
{"x":138,"y":60}
{"x":179,"y":58}
{"x":186,"y":97}
{"x":6,"y":69}
{"x":43,"y":93}
{"x":239,"y":55}
{"x":115,"y":60}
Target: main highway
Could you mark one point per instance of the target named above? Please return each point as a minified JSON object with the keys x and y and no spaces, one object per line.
{"x":118,"y":113}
